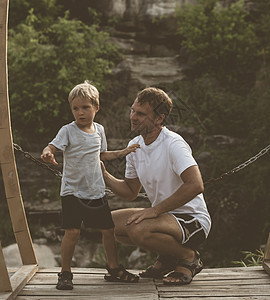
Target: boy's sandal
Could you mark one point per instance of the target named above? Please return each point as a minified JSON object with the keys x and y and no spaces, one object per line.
{"x":120,"y":274}
{"x":195,"y":267}
{"x":168,"y":263}
{"x":65,"y":281}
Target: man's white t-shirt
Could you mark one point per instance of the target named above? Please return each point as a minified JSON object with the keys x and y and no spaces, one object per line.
{"x":159,"y":165}
{"x":82,"y":175}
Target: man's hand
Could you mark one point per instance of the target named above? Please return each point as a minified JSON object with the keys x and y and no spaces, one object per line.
{"x":147,"y":213}
{"x":103,"y":169}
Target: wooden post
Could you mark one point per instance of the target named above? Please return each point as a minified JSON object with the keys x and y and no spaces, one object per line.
{"x":7,"y":157}
{"x":10,"y":287}
{"x":5,"y":285}
{"x":266,"y":260}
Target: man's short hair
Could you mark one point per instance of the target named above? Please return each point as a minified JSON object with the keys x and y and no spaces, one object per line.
{"x":85,"y":91}
{"x":158,"y":99}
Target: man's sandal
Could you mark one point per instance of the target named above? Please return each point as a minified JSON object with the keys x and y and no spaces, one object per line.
{"x":168,"y":263}
{"x":195,"y":267}
{"x":120,"y":274}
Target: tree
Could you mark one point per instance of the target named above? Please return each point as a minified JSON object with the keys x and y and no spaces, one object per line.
{"x":45,"y":64}
{"x":220,"y":41}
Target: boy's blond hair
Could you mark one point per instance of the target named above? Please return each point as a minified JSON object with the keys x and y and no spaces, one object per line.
{"x":85,"y":91}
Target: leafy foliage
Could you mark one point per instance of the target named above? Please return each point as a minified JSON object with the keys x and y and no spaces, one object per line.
{"x":251,"y":259}
{"x":220,"y":41}
{"x":226,"y":85}
{"x":45,"y":64}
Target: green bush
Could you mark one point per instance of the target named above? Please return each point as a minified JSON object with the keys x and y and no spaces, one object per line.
{"x":45,"y":64}
{"x":220,"y":42}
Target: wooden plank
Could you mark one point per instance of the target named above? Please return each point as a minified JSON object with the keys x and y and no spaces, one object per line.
{"x":18,"y":281}
{"x":266,"y":260}
{"x":10,"y":177}
{"x":266,"y":266}
{"x":228,"y":283}
{"x":212,"y":271}
{"x":122,"y":296}
{"x":5,"y":285}
{"x":213,"y":298}
{"x":7,"y":157}
{"x":76,"y":270}
{"x":82,"y":279}
{"x":267,"y":249}
{"x":231,"y":282}
{"x":106,"y":290}
{"x":221,"y":291}
{"x":6,"y":147}
{"x":3,"y":59}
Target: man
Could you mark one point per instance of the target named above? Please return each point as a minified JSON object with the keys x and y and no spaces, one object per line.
{"x":178,"y":220}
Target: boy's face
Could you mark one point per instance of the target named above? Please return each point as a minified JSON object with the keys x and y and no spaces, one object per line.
{"x":83,"y":111}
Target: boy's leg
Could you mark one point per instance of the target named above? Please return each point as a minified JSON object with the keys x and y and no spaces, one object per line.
{"x":109,"y":244}
{"x":68,"y":246}
{"x":116,"y":272}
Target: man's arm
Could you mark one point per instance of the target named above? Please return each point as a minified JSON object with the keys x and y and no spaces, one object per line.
{"x":110,"y":155}
{"x":127,"y":189}
{"x":191,"y":187}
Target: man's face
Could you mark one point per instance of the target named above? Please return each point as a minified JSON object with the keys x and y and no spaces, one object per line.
{"x":143,"y":118}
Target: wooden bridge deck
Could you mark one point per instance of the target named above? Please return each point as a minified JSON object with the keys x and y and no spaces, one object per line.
{"x":225,"y":283}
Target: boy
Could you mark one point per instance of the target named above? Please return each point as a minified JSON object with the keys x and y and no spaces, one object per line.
{"x":83,"y":143}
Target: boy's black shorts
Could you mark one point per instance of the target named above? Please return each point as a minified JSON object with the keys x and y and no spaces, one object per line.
{"x":95,"y":214}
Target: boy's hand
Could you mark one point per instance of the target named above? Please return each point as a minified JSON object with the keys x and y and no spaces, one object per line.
{"x":48,"y":156}
{"x":131,"y":148}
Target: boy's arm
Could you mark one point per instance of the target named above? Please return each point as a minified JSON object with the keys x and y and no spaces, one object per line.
{"x":110,"y":155}
{"x":48,"y":154}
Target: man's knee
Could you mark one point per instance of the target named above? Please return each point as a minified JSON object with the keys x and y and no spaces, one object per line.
{"x":138,"y":233}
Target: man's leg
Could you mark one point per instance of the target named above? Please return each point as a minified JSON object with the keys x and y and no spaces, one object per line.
{"x":119,"y":218}
{"x":162,"y":235}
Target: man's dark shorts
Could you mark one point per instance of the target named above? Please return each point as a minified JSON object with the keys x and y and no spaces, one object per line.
{"x":93,"y":213}
{"x":193,"y":233}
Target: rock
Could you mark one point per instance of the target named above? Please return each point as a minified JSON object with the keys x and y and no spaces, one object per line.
{"x":148,"y":71}
{"x":42,"y":193}
{"x":40,"y":241}
{"x":44,"y":255}
{"x":135,"y":256}
{"x":46,"y":201}
{"x":138,"y":9}
{"x":203,"y":157}
{"x":220,"y":141}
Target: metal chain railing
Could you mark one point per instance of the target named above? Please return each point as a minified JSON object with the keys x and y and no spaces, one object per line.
{"x":38,"y":162}
{"x":240,"y":167}
{"x":233,"y":171}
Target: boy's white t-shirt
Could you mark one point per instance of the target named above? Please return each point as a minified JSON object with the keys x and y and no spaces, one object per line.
{"x":159,"y":165}
{"x":82,"y":175}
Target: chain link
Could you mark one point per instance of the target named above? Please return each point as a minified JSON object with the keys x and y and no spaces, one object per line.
{"x":233,"y":171}
{"x":241,"y":166}
{"x":38,"y":162}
